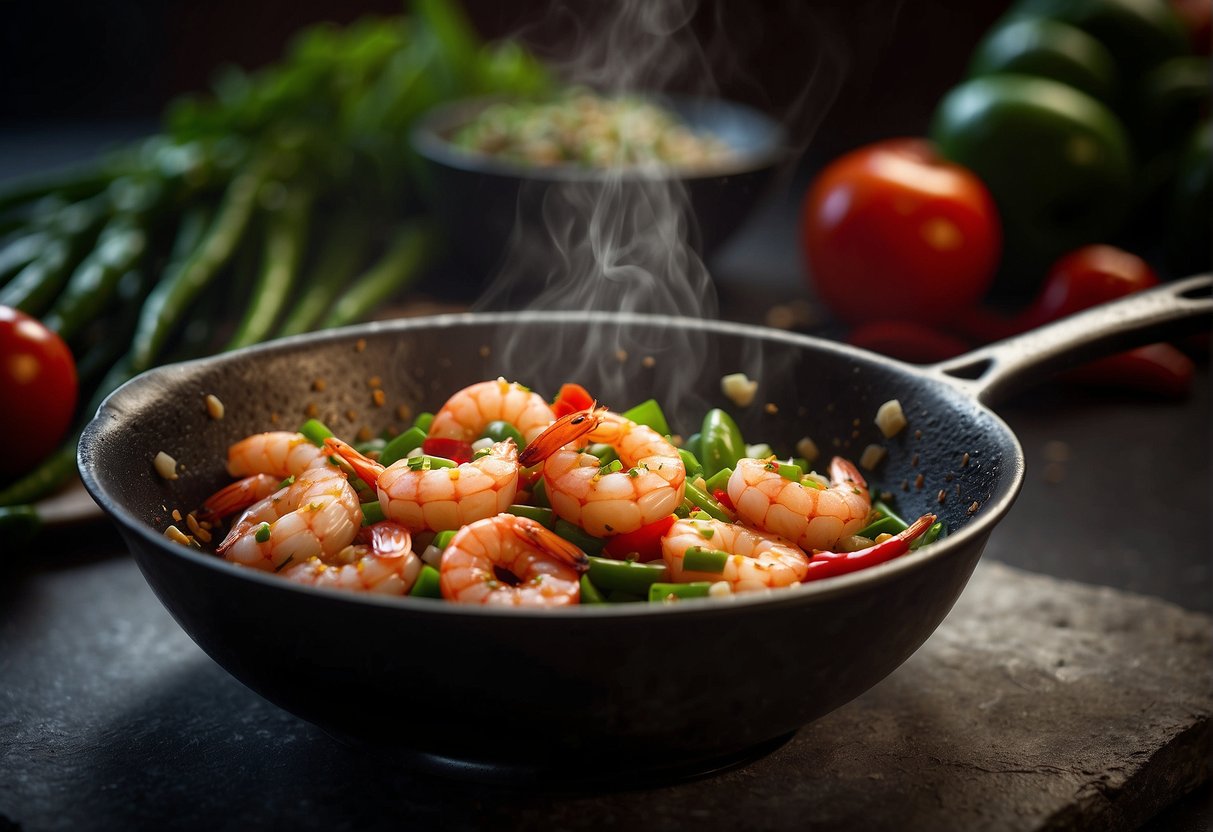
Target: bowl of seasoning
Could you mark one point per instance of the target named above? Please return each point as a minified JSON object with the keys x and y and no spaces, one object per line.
{"x":504,"y":174}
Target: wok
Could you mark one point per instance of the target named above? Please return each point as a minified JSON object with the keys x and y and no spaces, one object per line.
{"x":589,"y":693}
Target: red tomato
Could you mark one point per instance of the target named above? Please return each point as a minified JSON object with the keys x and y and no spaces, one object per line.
{"x":1086,"y":277}
{"x":37,"y":390}
{"x":893,"y":232}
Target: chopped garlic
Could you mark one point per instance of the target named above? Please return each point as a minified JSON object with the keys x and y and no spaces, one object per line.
{"x":806,"y":448}
{"x":165,"y":466}
{"x":872,"y":456}
{"x":739,"y":388}
{"x":214,"y":407}
{"x":890,"y":418}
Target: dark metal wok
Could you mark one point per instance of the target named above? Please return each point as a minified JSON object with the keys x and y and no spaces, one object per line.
{"x":591,"y":692}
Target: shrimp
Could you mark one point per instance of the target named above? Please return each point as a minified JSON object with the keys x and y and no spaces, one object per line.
{"x":811,"y":517}
{"x":755,"y":561}
{"x":381,"y":561}
{"x":316,"y":515}
{"x":511,"y":561}
{"x":467,"y":413}
{"x":239,"y":495}
{"x":278,"y":453}
{"x":437,"y":499}
{"x":648,"y":487}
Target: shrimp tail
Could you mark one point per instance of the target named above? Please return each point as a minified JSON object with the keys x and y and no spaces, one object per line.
{"x":843,"y":470}
{"x":828,"y":564}
{"x":365,"y":467}
{"x":387,"y":539}
{"x":563,"y":431}
{"x":544,"y":538}
{"x":239,"y":495}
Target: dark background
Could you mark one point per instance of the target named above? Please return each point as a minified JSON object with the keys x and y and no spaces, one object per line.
{"x":838,"y":73}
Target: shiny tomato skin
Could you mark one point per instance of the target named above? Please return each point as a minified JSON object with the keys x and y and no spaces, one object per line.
{"x":892,"y":231}
{"x":38,"y":390}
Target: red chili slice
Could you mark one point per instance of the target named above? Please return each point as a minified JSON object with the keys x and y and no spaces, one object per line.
{"x":571,"y":399}
{"x":644,"y":543}
{"x":455,"y":450}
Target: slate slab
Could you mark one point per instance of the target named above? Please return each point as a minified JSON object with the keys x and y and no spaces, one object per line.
{"x":1038,"y":704}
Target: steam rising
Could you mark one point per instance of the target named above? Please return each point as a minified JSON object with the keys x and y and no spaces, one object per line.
{"x":627,"y":240}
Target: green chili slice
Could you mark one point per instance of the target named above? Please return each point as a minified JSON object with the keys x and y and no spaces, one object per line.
{"x":401,"y":445}
{"x":698,"y":559}
{"x":428,"y":583}
{"x":626,"y":576}
{"x":662,"y":593}
{"x":316,"y":432}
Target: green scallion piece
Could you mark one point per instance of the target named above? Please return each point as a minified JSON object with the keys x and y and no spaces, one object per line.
{"x":719,"y":481}
{"x":263,"y":533}
{"x":625,"y":575}
{"x":611,"y":467}
{"x":425,"y":462}
{"x":661,"y":593}
{"x":423,"y":421}
{"x":697,"y":559}
{"x":372,"y":513}
{"x":289,"y":481}
{"x":442,"y":539}
{"x":316,"y":432}
{"x":883,"y":508}
{"x":649,"y":413}
{"x":707,"y":504}
{"x":428,"y":583}
{"x":690,"y":462}
{"x":545,"y":516}
{"x":575,"y":534}
{"x":400,"y":446}
{"x":589,"y":592}
{"x":789,"y":471}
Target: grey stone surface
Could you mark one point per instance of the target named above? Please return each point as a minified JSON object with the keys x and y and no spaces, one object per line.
{"x":1038,"y":704}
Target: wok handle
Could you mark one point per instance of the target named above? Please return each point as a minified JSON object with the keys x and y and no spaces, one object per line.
{"x":992,"y":373}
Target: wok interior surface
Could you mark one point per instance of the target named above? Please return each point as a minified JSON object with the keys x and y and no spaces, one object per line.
{"x":591,"y":689}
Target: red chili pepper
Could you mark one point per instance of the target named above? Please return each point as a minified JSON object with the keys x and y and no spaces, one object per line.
{"x":1159,"y":369}
{"x":571,"y":399}
{"x":644,"y":543}
{"x":722,"y":497}
{"x":829,"y":564}
{"x":455,"y":450}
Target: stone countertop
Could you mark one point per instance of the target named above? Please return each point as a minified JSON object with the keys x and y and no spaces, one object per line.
{"x":1039,"y":704}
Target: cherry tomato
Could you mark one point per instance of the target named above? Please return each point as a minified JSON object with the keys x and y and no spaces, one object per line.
{"x":1086,"y":277}
{"x":37,"y":390}
{"x":894,"y":232}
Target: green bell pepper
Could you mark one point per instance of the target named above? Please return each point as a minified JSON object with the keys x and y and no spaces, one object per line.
{"x":720,"y":442}
{"x":1047,"y":49}
{"x":1056,"y":161}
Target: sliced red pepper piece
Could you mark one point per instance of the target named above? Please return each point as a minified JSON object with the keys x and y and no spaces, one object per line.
{"x":571,"y":399}
{"x":644,"y":543}
{"x":455,"y":450}
{"x":829,"y":564}
{"x":722,"y":497}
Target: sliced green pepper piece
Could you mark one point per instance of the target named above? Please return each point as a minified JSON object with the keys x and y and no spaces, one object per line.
{"x":545,"y":516}
{"x":707,"y":504}
{"x":698,"y":559}
{"x":690,"y":462}
{"x":589,"y":592}
{"x":720,"y":442}
{"x":428,"y":583}
{"x":372,"y":513}
{"x":929,"y":536}
{"x":649,"y":413}
{"x":316,"y":432}
{"x":626,"y":576}
{"x":400,"y":447}
{"x":443,"y":538}
{"x":423,"y":421}
{"x":575,"y":534}
{"x":662,"y":593}
{"x":499,"y":431}
{"x":719,"y":481}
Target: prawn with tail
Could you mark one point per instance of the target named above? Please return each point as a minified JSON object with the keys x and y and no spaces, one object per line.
{"x":649,"y":485}
{"x":811,"y":515}
{"x":381,"y":561}
{"x":439,"y":499}
{"x":512,"y":561}
{"x":317,"y":515}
